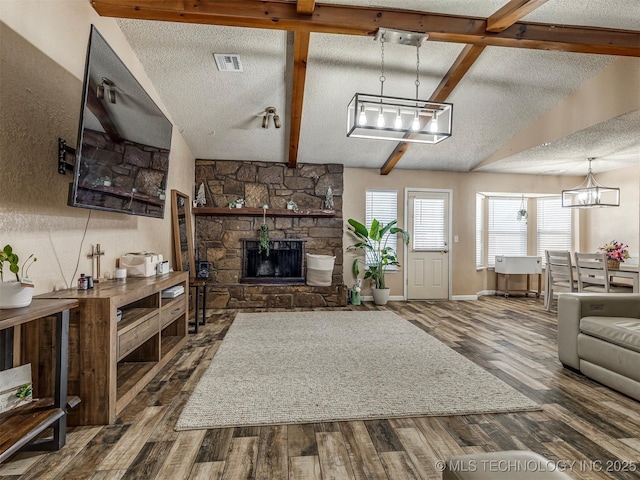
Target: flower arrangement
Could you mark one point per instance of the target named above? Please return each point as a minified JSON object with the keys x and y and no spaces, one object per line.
{"x":615,"y":251}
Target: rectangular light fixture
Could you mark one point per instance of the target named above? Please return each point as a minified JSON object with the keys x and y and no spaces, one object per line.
{"x":398,"y":119}
{"x":591,"y":194}
{"x":591,"y":197}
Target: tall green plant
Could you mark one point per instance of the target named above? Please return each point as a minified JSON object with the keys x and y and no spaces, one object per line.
{"x":373,"y":242}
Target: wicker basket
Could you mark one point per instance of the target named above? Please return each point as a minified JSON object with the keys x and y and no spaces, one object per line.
{"x":613,"y":264}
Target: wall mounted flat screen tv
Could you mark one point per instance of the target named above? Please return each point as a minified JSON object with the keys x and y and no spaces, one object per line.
{"x":122,"y":156}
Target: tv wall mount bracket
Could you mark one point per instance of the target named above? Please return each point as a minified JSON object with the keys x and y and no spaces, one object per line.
{"x":63,"y":149}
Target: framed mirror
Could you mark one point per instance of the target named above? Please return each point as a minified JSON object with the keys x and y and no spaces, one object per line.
{"x":182,"y":231}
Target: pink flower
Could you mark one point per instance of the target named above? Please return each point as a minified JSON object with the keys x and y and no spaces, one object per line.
{"x":615,"y":250}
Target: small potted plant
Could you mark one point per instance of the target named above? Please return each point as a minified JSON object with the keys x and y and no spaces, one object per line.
{"x":355,"y":292}
{"x":162,"y":194}
{"x":239,"y":203}
{"x":291,"y":205}
{"x":19,"y":292}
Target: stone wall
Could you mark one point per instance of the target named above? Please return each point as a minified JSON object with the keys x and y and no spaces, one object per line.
{"x":218,"y":238}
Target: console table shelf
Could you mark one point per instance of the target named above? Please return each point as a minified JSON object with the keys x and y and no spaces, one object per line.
{"x":257,"y":212}
{"x":21,"y":426}
{"x":111,"y":361}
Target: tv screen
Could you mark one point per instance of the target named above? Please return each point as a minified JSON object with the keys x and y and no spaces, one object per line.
{"x":122,"y":156}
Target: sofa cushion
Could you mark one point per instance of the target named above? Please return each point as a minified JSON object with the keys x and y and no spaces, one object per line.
{"x":617,"y":330}
{"x":615,"y":358}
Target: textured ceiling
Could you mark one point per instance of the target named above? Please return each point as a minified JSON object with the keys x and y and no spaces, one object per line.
{"x":504,"y":92}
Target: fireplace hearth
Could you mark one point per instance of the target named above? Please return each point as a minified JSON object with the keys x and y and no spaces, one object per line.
{"x":284,"y":264}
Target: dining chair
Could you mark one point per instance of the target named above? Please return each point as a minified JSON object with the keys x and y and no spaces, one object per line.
{"x":559,"y":274}
{"x":593,"y":274}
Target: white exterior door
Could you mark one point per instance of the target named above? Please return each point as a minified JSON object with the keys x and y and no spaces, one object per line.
{"x":428,"y":252}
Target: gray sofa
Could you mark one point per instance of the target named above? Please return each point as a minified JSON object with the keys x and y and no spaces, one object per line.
{"x":599,"y":335}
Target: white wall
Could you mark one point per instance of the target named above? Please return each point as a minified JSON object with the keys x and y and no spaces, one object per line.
{"x":43,"y":47}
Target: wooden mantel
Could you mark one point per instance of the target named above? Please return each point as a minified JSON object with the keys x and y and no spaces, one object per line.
{"x":257,"y":212}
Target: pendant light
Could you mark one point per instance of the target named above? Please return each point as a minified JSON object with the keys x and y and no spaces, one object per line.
{"x":590,"y":194}
{"x":394,"y":118}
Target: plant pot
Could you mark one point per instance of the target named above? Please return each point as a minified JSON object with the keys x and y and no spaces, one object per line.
{"x":355,"y":297}
{"x":380,"y":295}
{"x":613,"y":264}
{"x":14,"y":295}
{"x":238,"y":205}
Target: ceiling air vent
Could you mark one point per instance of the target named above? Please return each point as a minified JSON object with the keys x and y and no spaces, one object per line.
{"x":227,"y":62}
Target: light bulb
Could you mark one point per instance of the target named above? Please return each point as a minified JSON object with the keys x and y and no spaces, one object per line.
{"x":380,"y":122}
{"x":362,"y":118}
{"x":433,"y":124}
{"x":398,"y":123}
{"x":415,"y":125}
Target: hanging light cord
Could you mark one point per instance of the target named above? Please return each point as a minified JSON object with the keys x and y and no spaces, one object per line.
{"x":382,"y":77}
{"x":417,"y":70}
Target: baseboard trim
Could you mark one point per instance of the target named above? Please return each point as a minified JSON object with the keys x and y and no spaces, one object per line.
{"x":392,"y":298}
{"x":464,"y":297}
{"x":484,"y":293}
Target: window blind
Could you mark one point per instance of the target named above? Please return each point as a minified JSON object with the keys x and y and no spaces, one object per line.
{"x":506,"y":235}
{"x":428,"y":224}
{"x":383,"y":206}
{"x":554,"y":226}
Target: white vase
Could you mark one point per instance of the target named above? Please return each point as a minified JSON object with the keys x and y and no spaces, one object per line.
{"x":380,"y":295}
{"x":14,"y":295}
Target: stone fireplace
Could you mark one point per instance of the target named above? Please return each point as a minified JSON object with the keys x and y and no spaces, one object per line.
{"x":227,"y":237}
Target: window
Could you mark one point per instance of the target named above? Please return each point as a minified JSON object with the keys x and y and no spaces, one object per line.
{"x":506,"y":235}
{"x":554,"y":225}
{"x":480,"y":230}
{"x":383,"y":206}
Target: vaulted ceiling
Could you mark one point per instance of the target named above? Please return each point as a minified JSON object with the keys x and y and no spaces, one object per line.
{"x":511,"y":68}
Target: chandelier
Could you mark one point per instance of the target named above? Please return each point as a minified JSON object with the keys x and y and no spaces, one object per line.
{"x":591,"y":194}
{"x":394,"y":118}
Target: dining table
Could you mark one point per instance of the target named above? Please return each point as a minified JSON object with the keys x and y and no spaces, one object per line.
{"x":628,"y":271}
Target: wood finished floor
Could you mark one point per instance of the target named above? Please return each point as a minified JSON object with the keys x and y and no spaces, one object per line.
{"x":514,"y":338}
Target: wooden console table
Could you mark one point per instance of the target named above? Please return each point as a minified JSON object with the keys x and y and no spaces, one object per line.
{"x":20,"y":427}
{"x":111,"y":361}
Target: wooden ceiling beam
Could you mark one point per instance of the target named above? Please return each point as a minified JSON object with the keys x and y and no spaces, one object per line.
{"x":358,"y":20}
{"x":458,"y":70}
{"x":449,"y":82}
{"x":300,"y":54}
{"x":511,"y":13}
{"x":306,"y":7}
{"x":498,"y":22}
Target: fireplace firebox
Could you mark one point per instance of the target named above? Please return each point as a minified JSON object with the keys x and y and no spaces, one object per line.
{"x":284,"y":264}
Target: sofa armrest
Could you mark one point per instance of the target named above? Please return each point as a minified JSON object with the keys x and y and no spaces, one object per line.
{"x":574,"y":306}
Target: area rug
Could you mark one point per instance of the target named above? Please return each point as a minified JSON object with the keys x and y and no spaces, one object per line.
{"x":301,"y":367}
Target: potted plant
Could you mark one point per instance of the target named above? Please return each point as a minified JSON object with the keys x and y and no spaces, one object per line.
{"x":291,"y":205}
{"x":237,"y":203}
{"x":19,"y":292}
{"x":377,"y":255}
